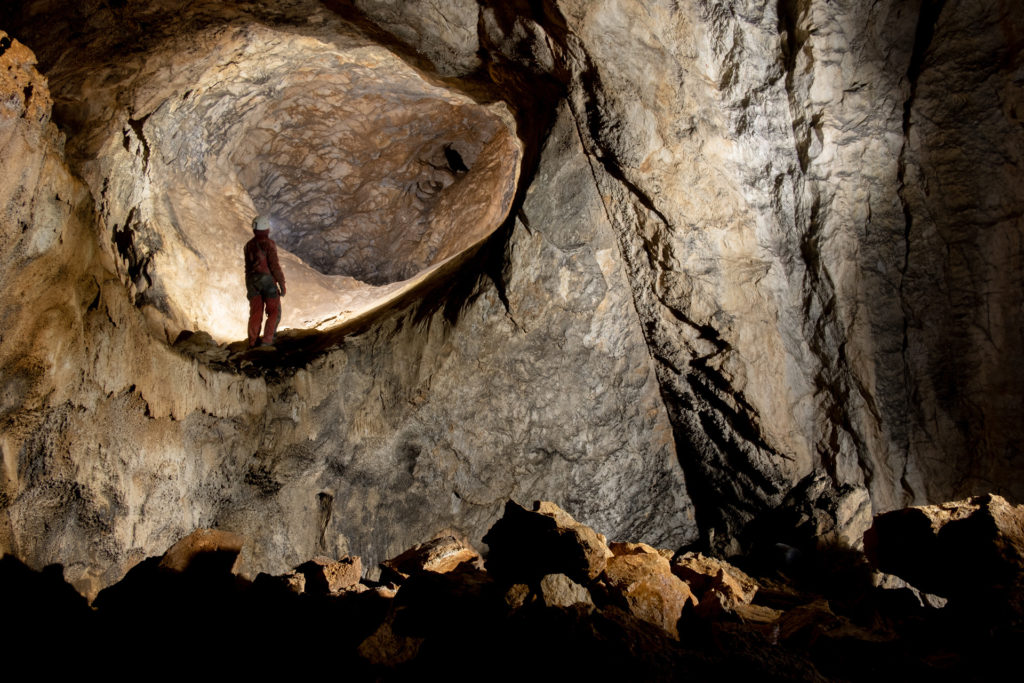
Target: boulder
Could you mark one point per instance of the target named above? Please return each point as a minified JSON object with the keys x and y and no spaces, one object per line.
{"x":517,"y":595}
{"x":528,"y":545}
{"x":206,"y":549}
{"x":705,"y":575}
{"x":386,"y":648}
{"x":292,"y":582}
{"x":324,"y":575}
{"x":639,"y":548}
{"x":643,"y":584}
{"x":558,"y":590}
{"x":970,"y":551}
{"x":440,"y":555}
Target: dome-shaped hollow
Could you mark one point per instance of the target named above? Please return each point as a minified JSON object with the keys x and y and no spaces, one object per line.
{"x":375,"y":176}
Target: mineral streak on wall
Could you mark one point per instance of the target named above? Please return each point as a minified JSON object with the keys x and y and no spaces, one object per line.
{"x":764,"y":259}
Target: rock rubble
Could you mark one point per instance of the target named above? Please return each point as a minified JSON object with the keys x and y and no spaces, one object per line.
{"x":635,"y":618}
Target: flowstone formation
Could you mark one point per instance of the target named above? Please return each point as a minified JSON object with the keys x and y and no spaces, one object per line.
{"x":760,"y":276}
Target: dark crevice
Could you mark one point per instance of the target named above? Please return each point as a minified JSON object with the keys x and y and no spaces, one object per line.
{"x":137,"y":126}
{"x":924,"y":33}
{"x":325,"y":504}
{"x":591,"y":83}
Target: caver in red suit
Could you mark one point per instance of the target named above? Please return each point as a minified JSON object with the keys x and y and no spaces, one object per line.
{"x":264,"y":282}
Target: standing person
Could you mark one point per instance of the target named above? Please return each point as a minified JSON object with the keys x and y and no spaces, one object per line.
{"x":264,"y":282}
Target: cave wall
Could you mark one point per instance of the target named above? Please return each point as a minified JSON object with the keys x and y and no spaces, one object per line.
{"x":762,"y":256}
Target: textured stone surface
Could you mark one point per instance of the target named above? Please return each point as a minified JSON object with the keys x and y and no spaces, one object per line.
{"x":705,"y":575}
{"x":440,"y":555}
{"x":525,"y":545}
{"x":558,"y":590}
{"x":754,"y":162}
{"x":768,"y":255}
{"x":444,"y":32}
{"x":222,"y":547}
{"x":970,"y":551}
{"x":370,"y":448}
{"x":324,"y":575}
{"x":337,"y":139}
{"x":643,"y":583}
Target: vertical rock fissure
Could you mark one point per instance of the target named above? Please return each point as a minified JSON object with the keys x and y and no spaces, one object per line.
{"x":924,"y":32}
{"x":705,"y":427}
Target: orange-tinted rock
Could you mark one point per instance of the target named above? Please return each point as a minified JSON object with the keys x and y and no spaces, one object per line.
{"x":626,"y":548}
{"x":387,"y":648}
{"x":324,"y":575}
{"x":644,"y":584}
{"x":527,"y":545}
{"x":208,"y":548}
{"x":517,"y":595}
{"x":26,"y":93}
{"x":706,"y":574}
{"x":440,"y":555}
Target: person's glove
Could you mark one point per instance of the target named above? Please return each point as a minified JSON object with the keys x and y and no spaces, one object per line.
{"x":280,"y":286}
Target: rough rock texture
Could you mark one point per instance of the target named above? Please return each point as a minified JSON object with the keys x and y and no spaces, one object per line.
{"x":405,"y":431}
{"x":706,"y":575}
{"x":324,"y":575}
{"x":643,"y":583}
{"x":558,"y":590}
{"x":759,"y":252}
{"x":339,"y":140}
{"x":209,"y":544}
{"x":970,"y":551}
{"x":440,"y":555}
{"x":436,"y":623}
{"x":525,"y":545}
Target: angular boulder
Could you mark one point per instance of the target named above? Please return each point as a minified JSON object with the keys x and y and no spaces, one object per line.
{"x":527,"y":545}
{"x":643,"y":584}
{"x":205,"y":549}
{"x":558,"y":590}
{"x":324,"y":575}
{"x":970,"y":551}
{"x":707,"y":575}
{"x":440,"y":555}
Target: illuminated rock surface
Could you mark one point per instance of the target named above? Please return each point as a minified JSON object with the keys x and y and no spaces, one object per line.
{"x":762,"y":265}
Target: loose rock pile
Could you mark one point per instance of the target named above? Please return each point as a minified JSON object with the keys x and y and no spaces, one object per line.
{"x":552,"y":599}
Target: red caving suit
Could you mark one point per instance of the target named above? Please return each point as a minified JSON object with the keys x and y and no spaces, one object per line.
{"x":262,"y":277}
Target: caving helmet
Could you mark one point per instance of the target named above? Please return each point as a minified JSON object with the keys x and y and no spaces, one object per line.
{"x":261,"y":222}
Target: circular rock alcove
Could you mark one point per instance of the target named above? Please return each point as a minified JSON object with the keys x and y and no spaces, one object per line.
{"x":374,"y":175}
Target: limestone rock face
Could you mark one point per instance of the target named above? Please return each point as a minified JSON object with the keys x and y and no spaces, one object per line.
{"x":338,"y":140}
{"x":759,"y":256}
{"x":116,"y":446}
